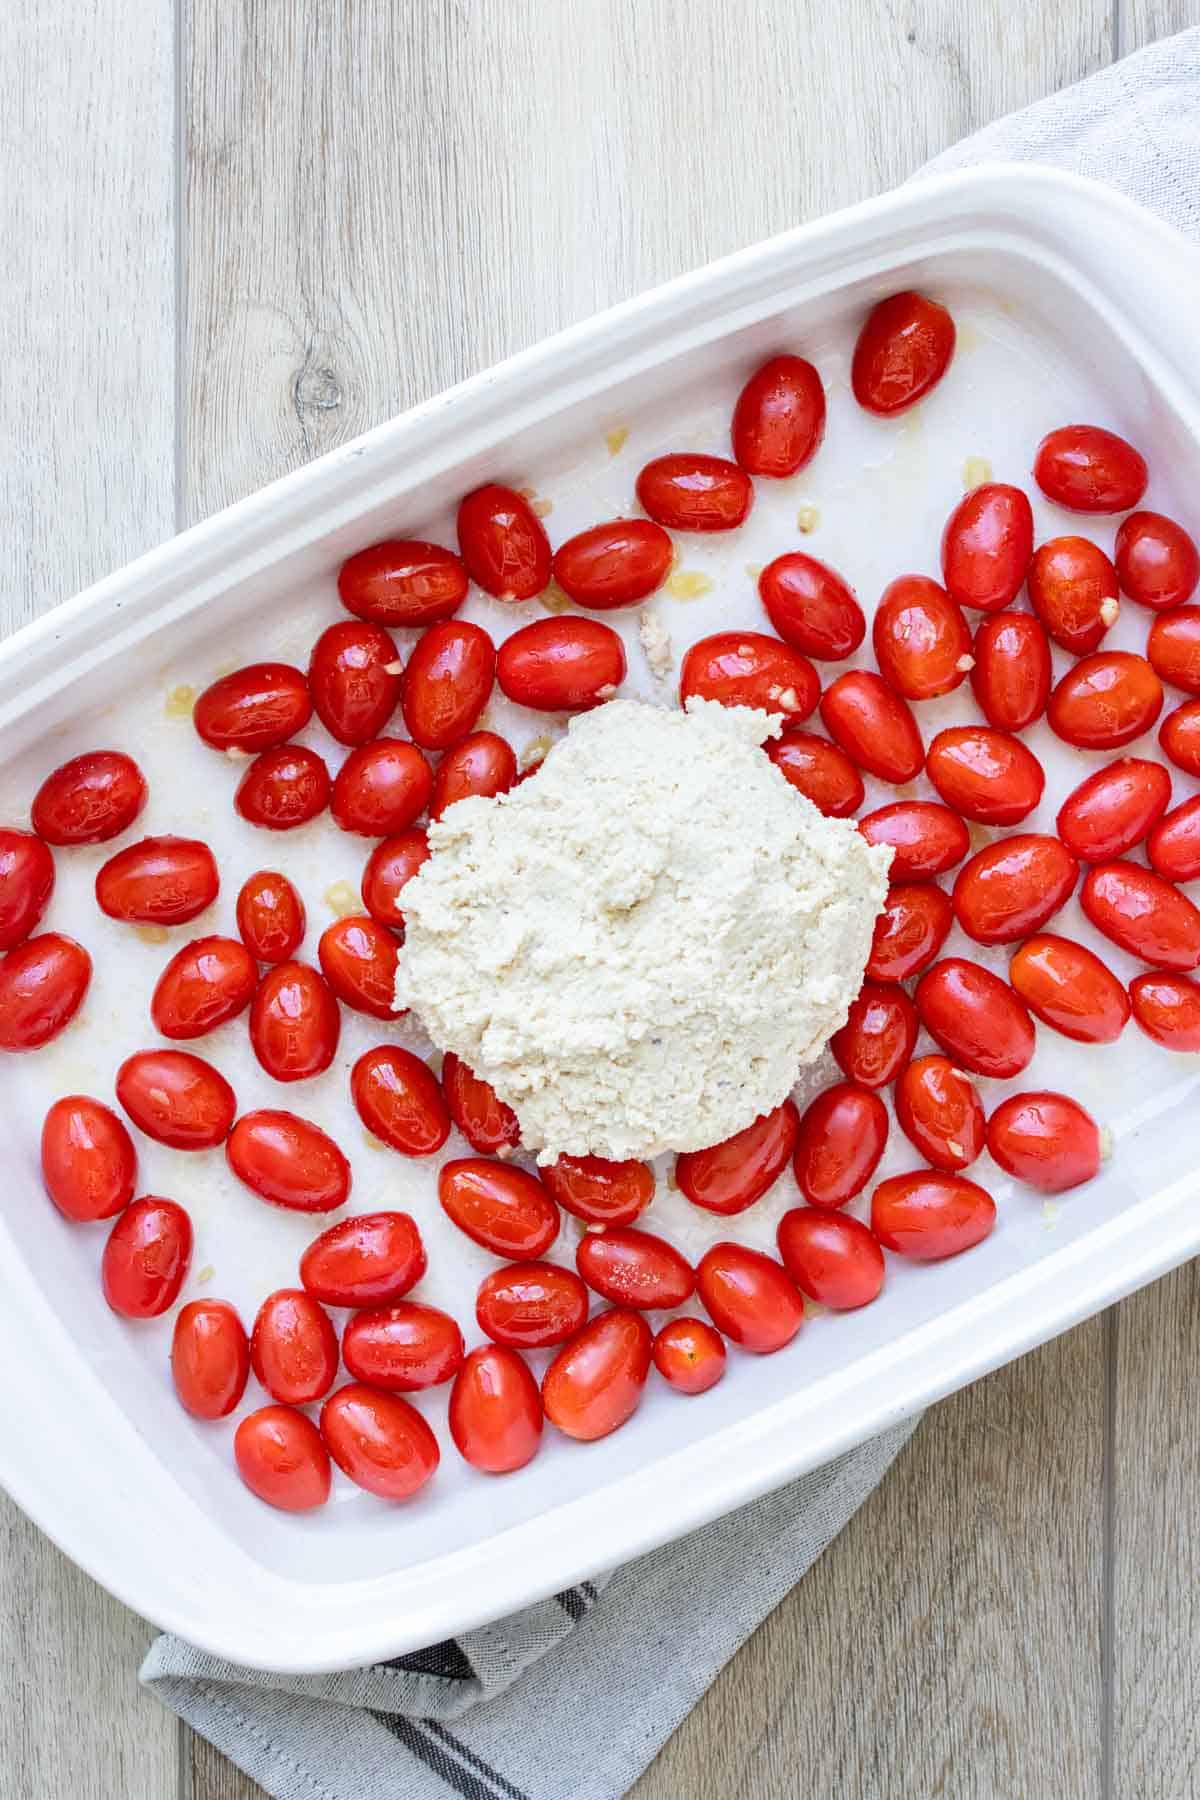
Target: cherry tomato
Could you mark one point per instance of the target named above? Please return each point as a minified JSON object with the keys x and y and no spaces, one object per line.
{"x":1173,"y":847}
{"x":1046,"y":1140}
{"x":926,"y":839}
{"x":358,"y":959}
{"x":903,"y":350}
{"x":1069,"y":987}
{"x":90,"y":799}
{"x":921,"y":640}
{"x":403,"y":582}
{"x":1105,"y":701}
{"x":929,"y":1216}
{"x":689,"y":1355}
{"x":985,"y":774}
{"x":288,"y":1161}
{"x":1179,"y":735}
{"x":503,"y":543}
{"x":354,"y":678}
{"x":488,"y":1125}
{"x":481,"y":764}
{"x":42,"y":985}
{"x":730,"y":1176}
{"x":1143,"y":914}
{"x":446,"y":683}
{"x":381,"y":788}
{"x":403,"y":1348}
{"x":210,"y":1359}
{"x":369,"y":1260}
{"x":1173,"y":648}
{"x":281,"y":1459}
{"x":1112,"y":810}
{"x":750,"y":1297}
{"x":270,"y":916}
{"x":1073,"y":587}
{"x":390,"y":865}
{"x":159,"y":881}
{"x":976,"y":1018}
{"x":693,"y":492}
{"x":747,"y":668}
{"x":562,"y":664}
{"x":398,"y":1099}
{"x":987,"y":546}
{"x":877,"y":1039}
{"x":873,"y":726}
{"x":1157,"y":560}
{"x":89,"y":1164}
{"x":841,"y":1137}
{"x":146,"y":1258}
{"x":1012,"y":887}
{"x":500,"y":1207}
{"x":209,"y":981}
{"x":939,"y":1111}
{"x":615,"y":564}
{"x":596,"y":1381}
{"x":634,"y":1268}
{"x":1090,"y":470}
{"x":176,"y":1098}
{"x":835,"y":1260}
{"x":26,"y":884}
{"x":293,"y":1347}
{"x":294,"y":1023}
{"x":1167,"y":1007}
{"x":379,"y":1441}
{"x":495,"y":1411}
{"x":531,"y":1305}
{"x":1013,"y":672}
{"x":811,"y":607}
{"x":256,"y":708}
{"x":598,"y":1191}
{"x":909,"y":932}
{"x":818,"y":770}
{"x":779,"y":419}
{"x":283,"y":788}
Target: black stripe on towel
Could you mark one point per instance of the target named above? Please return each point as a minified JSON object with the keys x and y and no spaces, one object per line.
{"x":445,"y":1659}
{"x":572,"y":1603}
{"x":589,"y":1588}
{"x":411,"y":1735}
{"x":469,"y":1756}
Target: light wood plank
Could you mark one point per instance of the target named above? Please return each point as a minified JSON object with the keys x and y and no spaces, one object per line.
{"x":1142,"y":21}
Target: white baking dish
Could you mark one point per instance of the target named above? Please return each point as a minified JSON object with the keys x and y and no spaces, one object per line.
{"x":1071,"y":298}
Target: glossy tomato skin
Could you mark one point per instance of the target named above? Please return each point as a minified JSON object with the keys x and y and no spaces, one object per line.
{"x":984,"y":774}
{"x":1113,"y":809}
{"x":596,"y":1380}
{"x":531,"y":1305}
{"x":1143,"y":914}
{"x":146,"y":1258}
{"x":1013,"y":672}
{"x":208,"y":982}
{"x":986,"y":547}
{"x":689,"y":1355}
{"x":749,"y":1297}
{"x":840,"y":1139}
{"x":89,"y":1164}
{"x":1046,"y":1140}
{"x":561,"y":664}
{"x":255,"y":708}
{"x":903,"y":350}
{"x":818,"y":770}
{"x":1068,"y":987}
{"x":369,"y":1260}
{"x":730,"y":1176}
{"x":42,"y":986}
{"x":1167,"y":1008}
{"x":1173,"y":648}
{"x":398,"y":1099}
{"x":503,"y":543}
{"x":446,"y":683}
{"x":1173,"y":847}
{"x":283,"y":788}
{"x":976,"y":1018}
{"x":613,"y":565}
{"x":833,"y":1258}
{"x":495,"y":1412}
{"x":748,"y":668}
{"x":403,"y":582}
{"x":811,"y":607}
{"x":1010,"y":888}
{"x":381,"y":788}
{"x":379,"y":1441}
{"x":634,"y":1268}
{"x":779,"y":419}
{"x":600,"y":1191}
{"x":1179,"y":736}
{"x":210,"y":1358}
{"x":90,"y":799}
{"x":288,"y":1161}
{"x":403,"y":1348}
{"x":873,"y":726}
{"x":1157,"y":560}
{"x":693,"y":492}
{"x":358,"y":959}
{"x":876,"y":1042}
{"x":921,"y":640}
{"x":926,"y":839}
{"x":270,"y":916}
{"x":390,"y":865}
{"x":488,"y":1124}
{"x":294,"y":1023}
{"x":503,"y":1208}
{"x":939,"y":1111}
{"x":176,"y":1098}
{"x":1105,"y":701}
{"x":293,"y":1347}
{"x":159,"y":881}
{"x":281,"y":1459}
{"x":354,"y":679}
{"x":909,"y":932}
{"x":1088,"y":469}
{"x":929,"y":1216}
{"x":26,"y":884}
{"x":1073,"y":588}
{"x":479,"y":764}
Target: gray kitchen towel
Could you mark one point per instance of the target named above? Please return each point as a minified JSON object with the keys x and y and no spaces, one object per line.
{"x":569,"y":1700}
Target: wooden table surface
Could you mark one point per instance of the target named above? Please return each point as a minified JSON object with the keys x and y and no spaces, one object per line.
{"x":236,"y":236}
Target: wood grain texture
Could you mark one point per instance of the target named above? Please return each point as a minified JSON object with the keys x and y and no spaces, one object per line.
{"x":1142,"y":21}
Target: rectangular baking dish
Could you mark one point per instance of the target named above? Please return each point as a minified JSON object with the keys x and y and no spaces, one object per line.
{"x":93,"y":1445}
